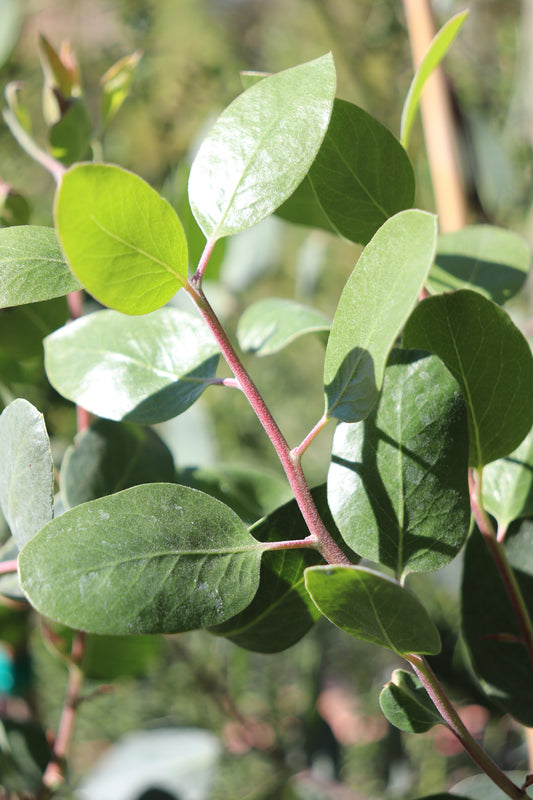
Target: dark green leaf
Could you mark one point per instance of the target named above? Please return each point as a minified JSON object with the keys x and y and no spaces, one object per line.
{"x":303,"y":208}
{"x":111,"y":456}
{"x":32,"y":266}
{"x":144,"y":370}
{"x":490,"y":260}
{"x":397,"y":484}
{"x":361,"y":175}
{"x":372,"y":607}
{"x":489,"y":625}
{"x":22,"y":328}
{"x":122,"y":240}
{"x":406,"y":704}
{"x":269,"y":325}
{"x":261,"y":148}
{"x":491,"y":361}
{"x":508,"y":484}
{"x":159,"y":558}
{"x":70,"y":137}
{"x":481,"y":787}
{"x":24,"y":754}
{"x":26,"y":470}
{"x":377,"y":299}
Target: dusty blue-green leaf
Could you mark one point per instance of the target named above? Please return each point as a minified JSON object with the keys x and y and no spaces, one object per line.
{"x":144,"y":370}
{"x":490,"y":628}
{"x":491,"y":361}
{"x":122,"y":240}
{"x":26,"y":470}
{"x":269,"y":325}
{"x":23,"y":328}
{"x":375,"y":303}
{"x":158,"y":558}
{"x":70,"y":137}
{"x":436,"y":52}
{"x":491,"y":260}
{"x":406,"y":704}
{"x":398,"y":482}
{"x":372,"y":607}
{"x":32,"y":266}
{"x":111,"y":456}
{"x":508,"y":484}
{"x":261,"y":148}
{"x":10,"y":23}
{"x":361,"y":175}
{"x":481,"y":787}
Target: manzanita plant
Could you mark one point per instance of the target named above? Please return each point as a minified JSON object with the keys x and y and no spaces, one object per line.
{"x":426,"y":377}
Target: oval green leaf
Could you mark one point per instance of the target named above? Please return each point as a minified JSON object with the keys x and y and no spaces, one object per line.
{"x":122,"y":240}
{"x":26,"y":471}
{"x":32,"y":266}
{"x":361,"y":175}
{"x":508,"y":485}
{"x":159,"y":558}
{"x":375,"y":303}
{"x":490,"y":260}
{"x":406,"y":704}
{"x":22,"y":328}
{"x":491,"y":361}
{"x":269,"y":325}
{"x":397,"y":484}
{"x":373,"y":607}
{"x":143,"y":370}
{"x":261,"y":148}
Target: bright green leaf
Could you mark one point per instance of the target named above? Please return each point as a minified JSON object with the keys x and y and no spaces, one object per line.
{"x":406,"y":704}
{"x":377,"y":299}
{"x":372,"y":607}
{"x":261,"y":148}
{"x":361,"y":175}
{"x":32,"y":266}
{"x":436,"y":52}
{"x":491,"y":361}
{"x":397,"y":484}
{"x":158,"y":558}
{"x":508,"y":484}
{"x":26,"y":470}
{"x":145,"y":370}
{"x":110,"y":456}
{"x":488,"y":259}
{"x":269,"y":325}
{"x":122,"y":240}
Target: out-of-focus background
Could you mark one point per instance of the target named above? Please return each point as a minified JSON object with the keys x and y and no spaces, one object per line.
{"x":313,"y":710}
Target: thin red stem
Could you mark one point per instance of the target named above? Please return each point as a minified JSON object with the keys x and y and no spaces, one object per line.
{"x":297,"y":452}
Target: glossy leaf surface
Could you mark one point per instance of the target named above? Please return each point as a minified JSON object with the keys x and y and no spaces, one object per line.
{"x":397,"y":484}
{"x":143,"y":370}
{"x":261,"y":148}
{"x":491,"y":361}
{"x":269,"y":325}
{"x":32,"y":266}
{"x":489,"y":624}
{"x":26,"y":471}
{"x":508,"y":484}
{"x":361,"y":175}
{"x":111,"y":456}
{"x":491,"y":260}
{"x":375,"y":303}
{"x":372,"y":607}
{"x":406,"y":704}
{"x":122,"y":240}
{"x":158,"y":558}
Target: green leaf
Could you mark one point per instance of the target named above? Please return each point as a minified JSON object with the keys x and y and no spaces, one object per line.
{"x":32,"y":266}
{"x":491,"y":361}
{"x":261,"y":148}
{"x":490,"y":628}
{"x":361,"y":175}
{"x":70,"y":137}
{"x":269,"y":325}
{"x":436,"y":52}
{"x":398,"y":482}
{"x":406,"y":704}
{"x":143,"y":370}
{"x":10,"y":23}
{"x":282,"y":612}
{"x":377,"y":299}
{"x":158,"y":558}
{"x":116,"y":85}
{"x":372,"y":607}
{"x":508,"y":485}
{"x":491,"y":260}
{"x":22,"y":328}
{"x":26,"y":471}
{"x":24,"y":754}
{"x":122,"y":240}
{"x":481,"y":787}
{"x":303,"y":208}
{"x":110,"y":456}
